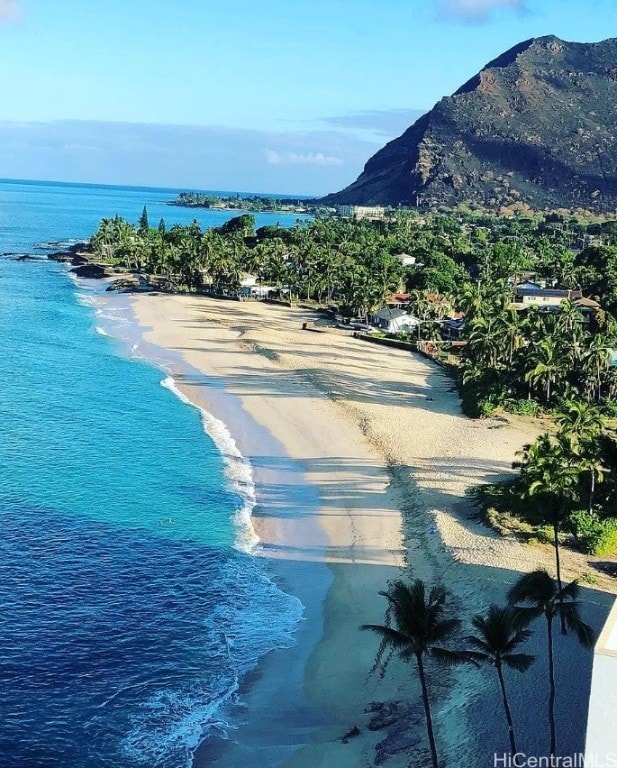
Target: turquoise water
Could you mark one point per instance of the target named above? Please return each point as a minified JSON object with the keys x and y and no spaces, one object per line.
{"x":129,"y":613}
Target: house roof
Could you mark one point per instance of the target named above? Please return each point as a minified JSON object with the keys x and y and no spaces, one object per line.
{"x":389,"y":313}
{"x":556,"y":293}
{"x":583,"y":302}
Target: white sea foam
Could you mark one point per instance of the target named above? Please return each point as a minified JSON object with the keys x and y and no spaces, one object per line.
{"x":101,"y":331}
{"x":237,"y":468}
{"x":85,"y":300}
{"x":187,"y":721}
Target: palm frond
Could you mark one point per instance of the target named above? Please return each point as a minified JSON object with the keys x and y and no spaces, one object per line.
{"x":518,"y":661}
{"x":392,"y":636}
{"x":452,"y":658}
{"x":477,"y":643}
{"x":536,"y":587}
{"x":584,"y":633}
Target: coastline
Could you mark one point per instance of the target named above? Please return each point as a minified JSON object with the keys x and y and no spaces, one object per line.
{"x":375,"y":433}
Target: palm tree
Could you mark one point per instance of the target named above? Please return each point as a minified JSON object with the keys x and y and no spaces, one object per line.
{"x":548,"y":367}
{"x":581,"y":419}
{"x":419,"y":629}
{"x":583,"y":423}
{"x":538,"y":594}
{"x":499,"y":636}
{"x":596,"y":363}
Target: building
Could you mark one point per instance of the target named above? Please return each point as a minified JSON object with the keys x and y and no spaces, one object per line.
{"x":374,"y":212}
{"x":393,"y":320}
{"x":601,"y":742}
{"x":405,"y":259}
{"x":530,"y":294}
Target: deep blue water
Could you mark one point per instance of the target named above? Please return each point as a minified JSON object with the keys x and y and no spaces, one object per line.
{"x":127,"y":610}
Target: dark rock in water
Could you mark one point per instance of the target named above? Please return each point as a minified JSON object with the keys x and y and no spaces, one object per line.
{"x":94,"y":271}
{"x":395,"y":744}
{"x":405,"y":736}
{"x":355,"y":731}
{"x":385,"y":714}
{"x":536,"y":126}
{"x":69,"y":258}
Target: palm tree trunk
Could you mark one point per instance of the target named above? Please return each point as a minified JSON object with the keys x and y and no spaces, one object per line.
{"x":558,"y":566}
{"x":592,"y":489}
{"x":427,"y":712}
{"x":506,"y":707}
{"x":557,"y":551}
{"x":551,"y":695}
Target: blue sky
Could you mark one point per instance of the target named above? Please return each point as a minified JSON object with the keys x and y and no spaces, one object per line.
{"x":272,"y":96}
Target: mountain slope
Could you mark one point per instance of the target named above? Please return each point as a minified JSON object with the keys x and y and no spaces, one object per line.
{"x":537,"y":125}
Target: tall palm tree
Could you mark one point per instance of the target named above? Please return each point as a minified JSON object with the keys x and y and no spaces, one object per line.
{"x":420,"y":626}
{"x":499,"y":635}
{"x":547,"y":367}
{"x":538,"y":594}
{"x":596,"y":363}
{"x":583,"y":423}
{"x":550,"y":475}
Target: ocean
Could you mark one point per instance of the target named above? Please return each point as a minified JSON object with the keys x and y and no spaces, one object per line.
{"x":131,"y":603}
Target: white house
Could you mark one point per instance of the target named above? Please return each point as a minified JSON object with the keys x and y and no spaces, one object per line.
{"x":393,"y":320}
{"x":405,"y":259}
{"x":601,"y":741}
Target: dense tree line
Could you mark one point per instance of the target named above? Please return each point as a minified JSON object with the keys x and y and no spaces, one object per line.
{"x":521,"y":360}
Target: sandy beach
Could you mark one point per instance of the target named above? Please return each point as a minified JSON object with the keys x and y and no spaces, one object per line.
{"x":361,"y":459}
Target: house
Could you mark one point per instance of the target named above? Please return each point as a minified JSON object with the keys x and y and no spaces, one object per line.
{"x":530,"y":294}
{"x":587,"y":306}
{"x":405,"y":259}
{"x":602,"y":717}
{"x":393,"y":320}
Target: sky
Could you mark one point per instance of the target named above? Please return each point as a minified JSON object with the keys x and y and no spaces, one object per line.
{"x":287,"y":96}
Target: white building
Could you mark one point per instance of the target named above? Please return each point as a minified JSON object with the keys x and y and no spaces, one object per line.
{"x":405,"y":259}
{"x":362,"y":211}
{"x":393,"y":320}
{"x":601,"y":741}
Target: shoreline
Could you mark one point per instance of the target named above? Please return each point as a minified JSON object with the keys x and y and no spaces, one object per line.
{"x":390,"y":456}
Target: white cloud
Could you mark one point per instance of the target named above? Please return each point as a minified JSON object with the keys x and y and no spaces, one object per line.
{"x":477,"y":10}
{"x":297,"y":158}
{"x":9,"y":10}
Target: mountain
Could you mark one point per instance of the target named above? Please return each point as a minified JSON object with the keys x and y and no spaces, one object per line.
{"x":537,"y":125}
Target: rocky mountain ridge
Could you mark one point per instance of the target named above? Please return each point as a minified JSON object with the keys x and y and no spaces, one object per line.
{"x":537,"y":126}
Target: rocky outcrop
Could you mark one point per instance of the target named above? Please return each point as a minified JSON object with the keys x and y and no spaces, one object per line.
{"x":535,"y":126}
{"x":93,"y":271}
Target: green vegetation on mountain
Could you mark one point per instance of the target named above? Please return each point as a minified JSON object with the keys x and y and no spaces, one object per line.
{"x":535,"y":128}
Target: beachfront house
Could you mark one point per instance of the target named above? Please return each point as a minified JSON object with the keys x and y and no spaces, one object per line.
{"x":393,"y":320}
{"x":602,"y":717}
